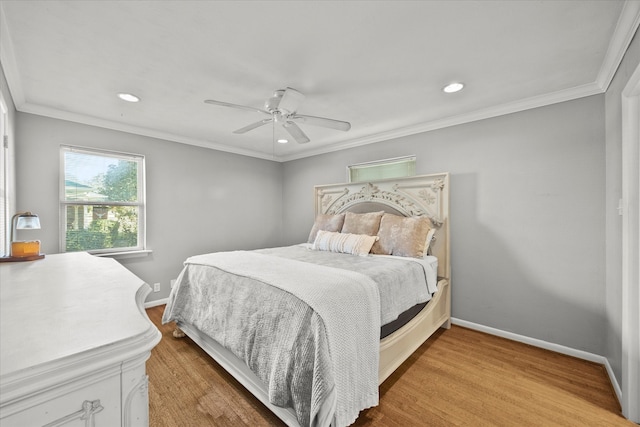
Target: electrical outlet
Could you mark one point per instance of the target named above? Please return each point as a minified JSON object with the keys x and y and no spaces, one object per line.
{"x":173,"y":283}
{"x":156,"y":287}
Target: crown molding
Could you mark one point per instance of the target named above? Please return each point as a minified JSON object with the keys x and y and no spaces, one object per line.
{"x":485,"y":113}
{"x":624,"y":32}
{"x":622,"y":35}
{"x":8,"y":62}
{"x":136,"y":130}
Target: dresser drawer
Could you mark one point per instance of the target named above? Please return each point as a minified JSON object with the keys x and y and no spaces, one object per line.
{"x":96,"y":404}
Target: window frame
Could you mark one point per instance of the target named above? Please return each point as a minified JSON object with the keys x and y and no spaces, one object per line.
{"x":410,"y":161}
{"x":140,"y":204}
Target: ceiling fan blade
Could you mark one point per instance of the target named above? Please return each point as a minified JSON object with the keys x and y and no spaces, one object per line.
{"x":322,"y":121}
{"x":252,"y":126}
{"x":291,"y":100}
{"x":295,"y":132}
{"x":240,"y":107}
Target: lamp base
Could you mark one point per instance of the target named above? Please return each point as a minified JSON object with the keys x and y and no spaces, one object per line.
{"x":25,"y":248}
{"x":21,"y":258}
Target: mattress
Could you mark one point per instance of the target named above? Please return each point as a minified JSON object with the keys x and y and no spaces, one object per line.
{"x":404,"y":318}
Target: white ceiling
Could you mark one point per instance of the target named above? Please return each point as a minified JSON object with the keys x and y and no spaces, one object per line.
{"x":379,"y":65}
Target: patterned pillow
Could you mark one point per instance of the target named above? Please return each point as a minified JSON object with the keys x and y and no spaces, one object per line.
{"x":354,"y":244}
{"x":403,"y":236}
{"x":364,"y":223}
{"x":326,"y":222}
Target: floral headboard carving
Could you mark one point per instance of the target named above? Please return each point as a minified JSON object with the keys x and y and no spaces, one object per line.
{"x":422,"y":195}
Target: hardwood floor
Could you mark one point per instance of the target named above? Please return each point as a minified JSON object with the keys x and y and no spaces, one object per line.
{"x":459,"y":377}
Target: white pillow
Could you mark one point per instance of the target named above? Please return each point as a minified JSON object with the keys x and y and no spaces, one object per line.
{"x":346,"y":243}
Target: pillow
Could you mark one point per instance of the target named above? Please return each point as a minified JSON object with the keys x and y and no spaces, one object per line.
{"x":354,"y":244}
{"x":430,"y":239}
{"x":364,"y":223}
{"x":403,"y":236}
{"x":326,"y":222}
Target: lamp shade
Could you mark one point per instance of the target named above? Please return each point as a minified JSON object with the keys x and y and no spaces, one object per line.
{"x":27,"y":221}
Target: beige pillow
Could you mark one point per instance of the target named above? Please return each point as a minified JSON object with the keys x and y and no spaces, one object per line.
{"x":354,"y":244}
{"x":364,"y":223}
{"x":402,"y":236}
{"x":326,"y":222}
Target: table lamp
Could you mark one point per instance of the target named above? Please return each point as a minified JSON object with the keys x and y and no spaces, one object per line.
{"x":24,"y":250}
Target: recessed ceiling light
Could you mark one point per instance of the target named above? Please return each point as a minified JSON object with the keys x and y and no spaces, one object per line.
{"x":453,"y":87}
{"x":283,"y":141}
{"x":129,"y":97}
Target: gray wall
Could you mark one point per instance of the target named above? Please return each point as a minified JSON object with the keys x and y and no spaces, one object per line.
{"x":532,"y":214}
{"x":527,"y":215}
{"x":613,"y":222}
{"x":198,"y":200}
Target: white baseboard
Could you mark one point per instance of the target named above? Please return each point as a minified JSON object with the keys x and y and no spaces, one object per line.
{"x":156,"y":302}
{"x":612,"y":377}
{"x":511,"y":336}
{"x":547,"y":346}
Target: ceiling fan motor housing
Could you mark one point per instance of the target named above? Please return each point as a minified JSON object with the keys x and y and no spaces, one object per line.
{"x":272,"y":103}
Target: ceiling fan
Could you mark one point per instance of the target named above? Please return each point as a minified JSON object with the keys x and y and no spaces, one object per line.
{"x":281,"y":108}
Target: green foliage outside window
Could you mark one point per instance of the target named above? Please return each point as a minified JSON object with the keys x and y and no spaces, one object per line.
{"x":120,"y":183}
{"x":101,"y":209}
{"x":106,"y":233}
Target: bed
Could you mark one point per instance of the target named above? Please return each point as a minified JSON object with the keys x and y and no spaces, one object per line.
{"x":300,"y":326}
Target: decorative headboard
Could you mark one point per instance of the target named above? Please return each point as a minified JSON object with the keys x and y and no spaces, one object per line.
{"x":422,"y":195}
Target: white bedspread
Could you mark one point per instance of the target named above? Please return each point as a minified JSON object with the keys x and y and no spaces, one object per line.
{"x":348,"y":304}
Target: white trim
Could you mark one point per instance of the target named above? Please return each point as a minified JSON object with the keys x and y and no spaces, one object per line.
{"x":140,"y":204}
{"x":9,"y":63}
{"x":613,"y":379}
{"x":623,"y":34}
{"x":5,"y":204}
{"x":155,"y":302}
{"x":631,"y":248}
{"x":124,"y":254}
{"x":135,"y":130}
{"x":485,"y":113}
{"x":580,"y":354}
{"x":482,"y":114}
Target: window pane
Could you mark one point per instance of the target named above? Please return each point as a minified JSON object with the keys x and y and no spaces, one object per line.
{"x":92,"y":227}
{"x":102,"y":205}
{"x":382,"y":169}
{"x":95,"y":178}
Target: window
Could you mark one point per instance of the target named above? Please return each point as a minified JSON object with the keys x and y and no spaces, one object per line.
{"x":382,"y":169}
{"x":102,"y":201}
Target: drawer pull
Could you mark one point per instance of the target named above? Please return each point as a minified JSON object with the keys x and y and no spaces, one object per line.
{"x":89,"y":409}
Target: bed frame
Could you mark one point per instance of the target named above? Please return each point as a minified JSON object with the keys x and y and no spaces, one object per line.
{"x":424,"y":195}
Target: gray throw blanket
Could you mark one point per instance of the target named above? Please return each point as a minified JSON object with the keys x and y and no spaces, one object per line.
{"x":315,"y":345}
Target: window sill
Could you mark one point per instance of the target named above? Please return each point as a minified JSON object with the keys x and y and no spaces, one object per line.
{"x":127,"y":254}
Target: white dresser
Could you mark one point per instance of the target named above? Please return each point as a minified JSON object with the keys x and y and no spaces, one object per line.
{"x":74,"y":340}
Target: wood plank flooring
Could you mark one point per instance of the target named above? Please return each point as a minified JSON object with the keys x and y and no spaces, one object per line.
{"x":459,"y":377}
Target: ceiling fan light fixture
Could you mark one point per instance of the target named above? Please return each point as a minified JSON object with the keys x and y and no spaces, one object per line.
{"x":453,"y":87}
{"x":129,"y":97}
{"x":282,"y":110}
